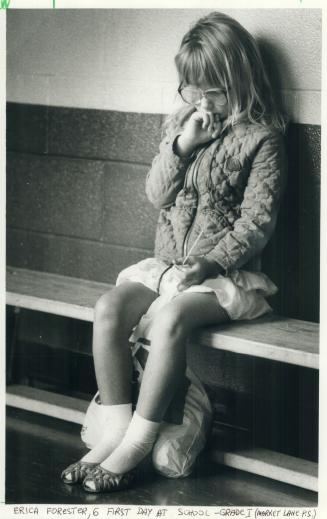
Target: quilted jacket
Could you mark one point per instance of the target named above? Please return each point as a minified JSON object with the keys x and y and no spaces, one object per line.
{"x":229,"y":191}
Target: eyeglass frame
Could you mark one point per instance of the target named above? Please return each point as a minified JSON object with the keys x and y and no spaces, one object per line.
{"x":203,"y":93}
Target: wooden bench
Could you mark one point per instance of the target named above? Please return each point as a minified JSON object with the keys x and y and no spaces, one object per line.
{"x":275,"y":338}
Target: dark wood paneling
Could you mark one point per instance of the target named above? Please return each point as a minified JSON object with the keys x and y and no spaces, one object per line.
{"x":27,"y":128}
{"x":83,"y":133}
{"x":70,"y":256}
{"x":292,"y":257}
{"x":112,"y":135}
{"x":216,"y":367}
{"x":286,"y":408}
{"x":55,"y":195}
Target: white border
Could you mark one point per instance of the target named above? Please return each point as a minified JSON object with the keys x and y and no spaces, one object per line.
{"x":321,"y":511}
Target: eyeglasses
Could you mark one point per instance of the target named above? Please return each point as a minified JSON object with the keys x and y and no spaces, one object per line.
{"x":193,"y":95}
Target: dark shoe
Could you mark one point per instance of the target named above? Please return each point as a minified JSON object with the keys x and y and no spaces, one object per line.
{"x":102,"y":480}
{"x":76,"y":472}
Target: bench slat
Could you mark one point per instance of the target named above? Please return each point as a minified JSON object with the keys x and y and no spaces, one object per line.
{"x":274,"y":465}
{"x":47,"y":403}
{"x":53,"y":293}
{"x":272,"y":337}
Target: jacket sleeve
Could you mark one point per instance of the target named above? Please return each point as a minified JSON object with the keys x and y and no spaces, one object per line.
{"x":166,"y":176}
{"x":259,"y":208}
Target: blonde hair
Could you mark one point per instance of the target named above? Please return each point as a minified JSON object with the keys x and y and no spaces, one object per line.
{"x":217,"y":50}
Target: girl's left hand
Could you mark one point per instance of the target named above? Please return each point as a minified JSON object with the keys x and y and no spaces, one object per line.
{"x":201,"y":127}
{"x":197,"y":269}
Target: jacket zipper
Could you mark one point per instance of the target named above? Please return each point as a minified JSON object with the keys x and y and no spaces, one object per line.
{"x":194,"y":182}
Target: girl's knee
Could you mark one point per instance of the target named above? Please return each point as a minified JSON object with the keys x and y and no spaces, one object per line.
{"x":108,"y":307}
{"x":170,"y":324}
{"x":123,"y":305}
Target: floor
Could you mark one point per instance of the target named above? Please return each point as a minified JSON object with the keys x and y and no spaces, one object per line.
{"x":38,"y":448}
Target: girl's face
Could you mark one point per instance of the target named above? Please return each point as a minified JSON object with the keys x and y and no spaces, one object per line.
{"x":207,"y":97}
{"x":213,"y":100}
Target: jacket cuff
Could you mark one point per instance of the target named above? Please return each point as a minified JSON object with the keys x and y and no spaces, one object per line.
{"x":221,"y":260}
{"x":186,"y":159}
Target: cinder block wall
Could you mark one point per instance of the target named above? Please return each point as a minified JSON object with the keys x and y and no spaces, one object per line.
{"x":87,"y":91}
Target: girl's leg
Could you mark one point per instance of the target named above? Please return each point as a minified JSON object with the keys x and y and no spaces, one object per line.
{"x":116,"y":313}
{"x":167,"y":360}
{"x":163,"y":373}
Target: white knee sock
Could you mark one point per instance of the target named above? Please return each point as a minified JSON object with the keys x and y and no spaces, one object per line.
{"x":136,"y":444}
{"x":117,"y":420}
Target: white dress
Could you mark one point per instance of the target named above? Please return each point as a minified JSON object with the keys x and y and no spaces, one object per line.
{"x":242,"y":294}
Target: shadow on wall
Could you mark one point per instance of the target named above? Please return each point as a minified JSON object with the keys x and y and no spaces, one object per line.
{"x":272,"y":56}
{"x":292,"y":256}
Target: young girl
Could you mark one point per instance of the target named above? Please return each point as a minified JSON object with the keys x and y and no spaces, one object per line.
{"x":217,"y":181}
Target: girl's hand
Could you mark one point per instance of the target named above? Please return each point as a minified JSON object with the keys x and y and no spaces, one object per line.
{"x":197,"y":269}
{"x":202,"y":126}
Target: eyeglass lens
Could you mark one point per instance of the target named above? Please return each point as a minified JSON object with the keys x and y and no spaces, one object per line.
{"x":194,"y":95}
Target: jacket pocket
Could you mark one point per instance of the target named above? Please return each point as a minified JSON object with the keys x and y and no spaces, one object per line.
{"x":232,"y":164}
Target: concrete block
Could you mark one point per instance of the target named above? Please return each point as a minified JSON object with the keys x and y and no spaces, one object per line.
{"x":129,"y":218}
{"x":55,"y":195}
{"x":102,"y":134}
{"x":71,"y":257}
{"x":27,"y":128}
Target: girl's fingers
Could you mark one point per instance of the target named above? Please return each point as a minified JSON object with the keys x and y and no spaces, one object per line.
{"x":216,"y":132}
{"x":181,"y":262}
{"x":201,"y":116}
{"x":197,"y":116}
{"x":208,"y":121}
{"x":188,"y":280}
{"x":212,"y":122}
{"x":205,"y":121}
{"x":190,"y":273}
{"x":216,"y":127}
{"x":178,"y":264}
